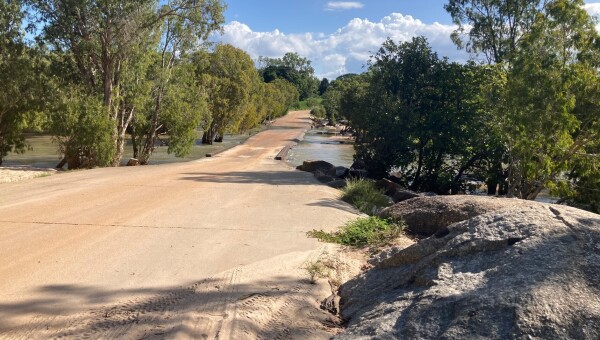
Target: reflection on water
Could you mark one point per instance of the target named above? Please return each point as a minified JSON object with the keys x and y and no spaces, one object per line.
{"x":44,"y":153}
{"x":322,"y":147}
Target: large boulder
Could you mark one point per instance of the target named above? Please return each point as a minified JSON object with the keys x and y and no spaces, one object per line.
{"x":314,"y":166}
{"x":530,"y":272}
{"x":340,"y":172}
{"x":358,"y":164}
{"x":427,"y":215}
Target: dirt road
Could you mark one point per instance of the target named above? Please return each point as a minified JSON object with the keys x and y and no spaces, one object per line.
{"x":205,"y":249}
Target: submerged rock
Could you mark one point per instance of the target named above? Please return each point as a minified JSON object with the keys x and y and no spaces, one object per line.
{"x":314,"y":166}
{"x":530,"y":271}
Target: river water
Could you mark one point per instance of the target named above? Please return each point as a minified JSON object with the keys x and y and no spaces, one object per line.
{"x":336,"y":150}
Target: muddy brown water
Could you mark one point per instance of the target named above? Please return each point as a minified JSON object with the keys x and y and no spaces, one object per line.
{"x":315,"y":146}
{"x":43,"y":152}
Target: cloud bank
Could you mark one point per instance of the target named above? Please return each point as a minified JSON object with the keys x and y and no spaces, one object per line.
{"x":343,"y":5}
{"x":348,"y":49}
{"x":345,"y":50}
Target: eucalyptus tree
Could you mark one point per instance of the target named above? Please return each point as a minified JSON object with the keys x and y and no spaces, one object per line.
{"x":227,"y":79}
{"x":492,"y":27}
{"x":280,"y":94}
{"x":552,"y":112}
{"x":113,"y":45}
{"x":293,"y":68}
{"x":19,"y":80}
{"x":545,"y":89}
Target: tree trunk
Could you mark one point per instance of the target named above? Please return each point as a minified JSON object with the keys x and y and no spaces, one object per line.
{"x":124,"y":118}
{"x":134,"y":144}
{"x":454,"y":186}
{"x":534,"y":192}
{"x":62,"y":163}
{"x":417,"y":177}
{"x":207,"y":137}
{"x":219,"y":136}
{"x":209,"y":134}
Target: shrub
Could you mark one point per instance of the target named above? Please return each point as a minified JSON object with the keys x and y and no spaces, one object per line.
{"x":363,"y":194}
{"x":368,"y":231}
{"x":318,"y":112}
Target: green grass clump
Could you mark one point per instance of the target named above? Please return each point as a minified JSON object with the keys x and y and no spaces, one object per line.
{"x":363,"y":194}
{"x":367,"y":231}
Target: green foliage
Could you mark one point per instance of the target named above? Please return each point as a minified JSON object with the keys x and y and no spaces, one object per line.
{"x":333,"y":95}
{"x":492,"y":27}
{"x":125,"y":53}
{"x":323,"y":86}
{"x":184,"y":110}
{"x":227,"y":80}
{"x":550,"y":103}
{"x":418,"y":115}
{"x":316,"y":270}
{"x":280,"y":95}
{"x":318,"y":112}
{"x":545,"y":94}
{"x":19,"y":82}
{"x":83,"y":131}
{"x":293,"y":68}
{"x":363,"y":194}
{"x":368,"y":231}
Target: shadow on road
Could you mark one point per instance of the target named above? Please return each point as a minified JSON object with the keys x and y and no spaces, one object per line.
{"x":336,"y":204}
{"x":254,"y":177}
{"x":194,"y":311}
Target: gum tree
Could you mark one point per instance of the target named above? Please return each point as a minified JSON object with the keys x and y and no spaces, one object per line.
{"x":109,"y":43}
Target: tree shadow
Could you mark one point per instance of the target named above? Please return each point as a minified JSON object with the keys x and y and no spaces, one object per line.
{"x":195,"y":310}
{"x":254,"y":177}
{"x":336,"y":204}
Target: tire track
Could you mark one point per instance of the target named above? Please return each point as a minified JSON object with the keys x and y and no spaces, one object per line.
{"x":199,"y":309}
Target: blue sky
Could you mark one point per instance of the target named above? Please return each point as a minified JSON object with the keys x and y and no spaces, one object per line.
{"x":339,"y":36}
{"x":299,"y":16}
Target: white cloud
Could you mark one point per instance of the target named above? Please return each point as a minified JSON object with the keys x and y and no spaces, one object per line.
{"x":345,"y":50}
{"x":593,"y":10}
{"x":343,"y":5}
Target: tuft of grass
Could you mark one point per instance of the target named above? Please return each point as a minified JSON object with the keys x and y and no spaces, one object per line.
{"x":327,"y":266}
{"x":315,"y":270}
{"x":363,"y":194}
{"x":368,"y":231}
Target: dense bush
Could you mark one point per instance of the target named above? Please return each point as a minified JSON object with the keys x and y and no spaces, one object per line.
{"x":318,"y":112}
{"x":363,"y":194}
